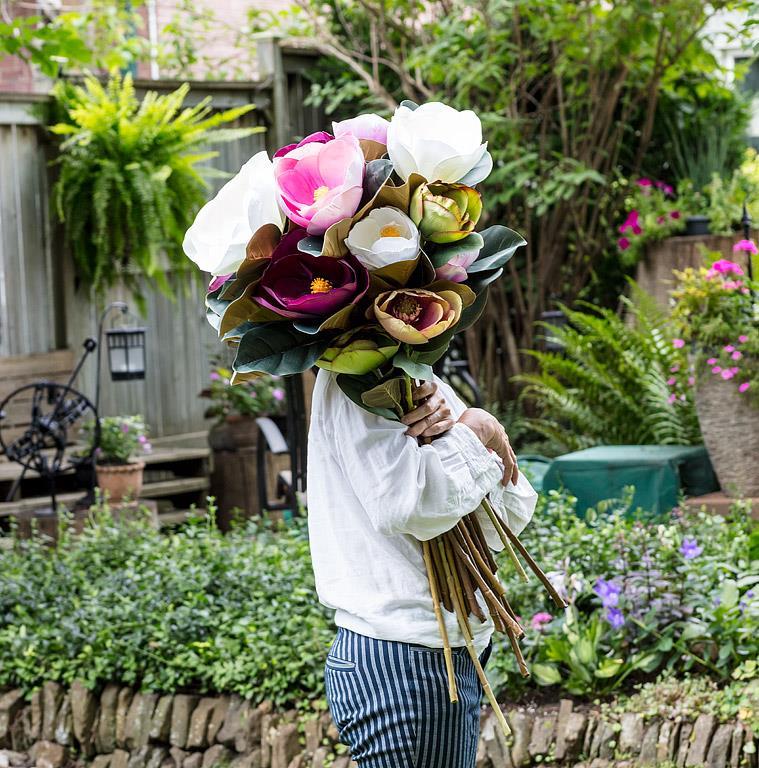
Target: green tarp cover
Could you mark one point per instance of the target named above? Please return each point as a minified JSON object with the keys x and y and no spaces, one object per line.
{"x":658,"y":472}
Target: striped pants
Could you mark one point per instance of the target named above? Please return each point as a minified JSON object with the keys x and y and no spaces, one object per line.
{"x":390,"y":703}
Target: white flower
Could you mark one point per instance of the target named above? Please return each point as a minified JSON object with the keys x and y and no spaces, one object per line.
{"x":438,"y":142}
{"x":217,"y":238}
{"x":385,"y":236}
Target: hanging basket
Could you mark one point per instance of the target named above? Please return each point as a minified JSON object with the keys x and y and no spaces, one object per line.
{"x":730,"y":428}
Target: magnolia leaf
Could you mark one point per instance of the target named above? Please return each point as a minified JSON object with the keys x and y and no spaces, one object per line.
{"x":443,"y":254}
{"x":334,"y":239}
{"x":215,"y":304}
{"x":262,"y":244}
{"x":355,"y":387}
{"x":431,"y":352}
{"x":278,"y":348}
{"x":472,"y":313}
{"x":238,"y":332}
{"x":311,"y":245}
{"x":377,"y":173}
{"x":426,"y":273}
{"x":478,"y":282}
{"x":339,"y":321}
{"x":412,"y":105}
{"x":373,"y":150}
{"x":240,"y":378}
{"x":214,"y":320}
{"x":243,"y":309}
{"x":248,"y":274}
{"x":388,"y":395}
{"x":480,"y":171}
{"x":500,"y":244}
{"x":398,"y":273}
{"x":416,"y":370}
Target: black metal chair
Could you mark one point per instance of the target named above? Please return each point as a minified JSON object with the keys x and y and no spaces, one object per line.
{"x":290,"y":484}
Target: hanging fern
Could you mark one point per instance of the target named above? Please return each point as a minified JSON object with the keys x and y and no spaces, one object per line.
{"x":610,"y":383}
{"x":132,"y":177}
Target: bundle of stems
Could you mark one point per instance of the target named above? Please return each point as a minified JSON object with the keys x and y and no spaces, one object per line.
{"x":460,"y":566}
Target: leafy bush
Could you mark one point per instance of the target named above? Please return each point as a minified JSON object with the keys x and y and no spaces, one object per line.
{"x":612,"y":383}
{"x":130,"y":181}
{"x":191,"y":609}
{"x":645,"y":596}
{"x":199,"y":610}
{"x":262,"y":396}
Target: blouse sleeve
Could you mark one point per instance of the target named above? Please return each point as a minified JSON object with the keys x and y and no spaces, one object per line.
{"x":404,"y":487}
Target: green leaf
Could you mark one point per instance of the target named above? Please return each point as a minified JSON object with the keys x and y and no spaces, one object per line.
{"x":729,"y":595}
{"x":500,"y":244}
{"x":609,"y":668}
{"x":546,"y":674}
{"x":416,"y":370}
{"x":387,"y":395}
{"x":279,"y":349}
{"x":443,"y":254}
{"x":376,"y":174}
{"x":311,"y":245}
{"x":412,"y":105}
{"x":356,"y":386}
{"x":472,"y":313}
{"x":431,"y":352}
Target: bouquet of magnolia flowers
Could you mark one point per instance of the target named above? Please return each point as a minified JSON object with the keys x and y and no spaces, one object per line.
{"x":357,"y":252}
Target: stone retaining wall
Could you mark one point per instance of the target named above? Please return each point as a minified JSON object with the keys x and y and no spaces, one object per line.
{"x":120,"y":728}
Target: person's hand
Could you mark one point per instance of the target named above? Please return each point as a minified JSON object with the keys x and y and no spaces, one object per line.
{"x":492,"y":435}
{"x":432,"y":416}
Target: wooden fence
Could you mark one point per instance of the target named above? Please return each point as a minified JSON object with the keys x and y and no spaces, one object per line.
{"x":41,"y":310}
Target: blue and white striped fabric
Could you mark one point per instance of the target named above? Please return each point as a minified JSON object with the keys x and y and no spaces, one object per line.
{"x":390,"y":703}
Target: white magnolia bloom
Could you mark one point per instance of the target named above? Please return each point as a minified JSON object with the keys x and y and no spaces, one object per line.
{"x":217,"y":238}
{"x":384,"y":237}
{"x":436,"y":141}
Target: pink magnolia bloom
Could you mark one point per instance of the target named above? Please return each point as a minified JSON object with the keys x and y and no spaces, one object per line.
{"x":539,"y":619}
{"x":623,"y":243}
{"x":320,"y":180}
{"x":747,"y":246}
{"x":631,"y":222}
{"x":368,"y":126}
{"x":743,"y":387}
{"x":678,"y":343}
{"x":742,"y":339}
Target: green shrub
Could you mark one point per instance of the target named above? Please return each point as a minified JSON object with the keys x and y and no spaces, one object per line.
{"x":195,"y":609}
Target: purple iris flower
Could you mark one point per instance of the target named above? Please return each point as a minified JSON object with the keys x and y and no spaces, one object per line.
{"x":690,"y":549}
{"x":615,"y":617}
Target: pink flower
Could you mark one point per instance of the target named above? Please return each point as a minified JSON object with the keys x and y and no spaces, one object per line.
{"x":731,"y":285}
{"x":623,"y":243}
{"x":368,"y":126}
{"x":674,"y":215}
{"x":214,"y":376}
{"x":631,"y":222}
{"x":320,"y":180}
{"x":711,"y":361}
{"x":691,"y":381}
{"x":539,"y":620}
{"x":644,"y":182}
{"x":671,"y":399}
{"x":218,"y":281}
{"x":725,"y":266}
{"x":278,"y":394}
{"x":660,"y":219}
{"x":682,"y":397}
{"x":742,"y":339}
{"x":678,"y":343}
{"x":716,"y":369}
{"x":665,"y":188}
{"x":727,"y":374}
{"x":728,"y":348}
{"x":747,"y":246}
{"x":743,"y":387}
{"x":671,"y":381}
{"x":674,"y":369}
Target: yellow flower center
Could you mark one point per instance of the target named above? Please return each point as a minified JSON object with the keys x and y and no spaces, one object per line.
{"x":407,"y":309}
{"x":319,"y":193}
{"x":391,"y":230}
{"x":320,"y":285}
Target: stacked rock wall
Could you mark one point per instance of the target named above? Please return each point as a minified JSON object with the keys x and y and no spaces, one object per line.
{"x":119,"y":727}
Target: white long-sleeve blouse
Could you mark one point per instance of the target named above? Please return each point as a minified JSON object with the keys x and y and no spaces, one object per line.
{"x":374,"y":493}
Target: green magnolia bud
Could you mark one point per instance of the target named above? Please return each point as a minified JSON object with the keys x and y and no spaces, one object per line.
{"x":445,"y":213}
{"x":356,"y":354}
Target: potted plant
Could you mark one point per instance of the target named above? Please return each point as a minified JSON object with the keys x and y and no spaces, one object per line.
{"x":237,"y":406}
{"x":716,"y":311}
{"x":118,"y":472}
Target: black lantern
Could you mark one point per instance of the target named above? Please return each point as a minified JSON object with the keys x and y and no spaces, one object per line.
{"x":126,"y":353}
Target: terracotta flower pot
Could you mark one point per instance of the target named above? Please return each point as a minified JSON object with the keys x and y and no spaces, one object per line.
{"x":730,"y":428}
{"x":120,"y":480}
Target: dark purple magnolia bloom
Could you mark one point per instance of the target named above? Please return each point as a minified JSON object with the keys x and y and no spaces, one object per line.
{"x":301,"y":286}
{"x":690,"y":549}
{"x":320,"y":137}
{"x":615,"y":617}
{"x":609,"y":593}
